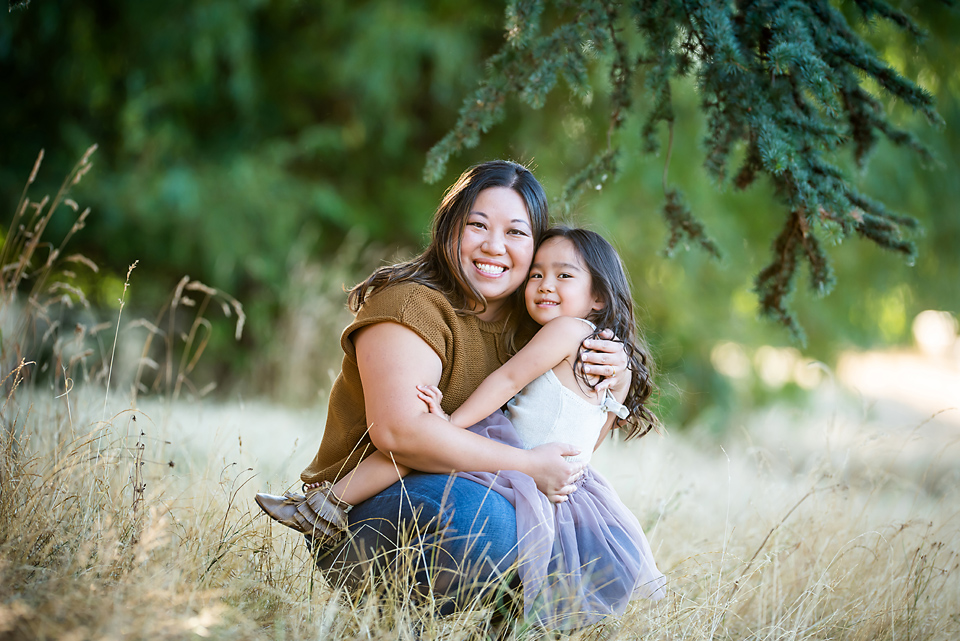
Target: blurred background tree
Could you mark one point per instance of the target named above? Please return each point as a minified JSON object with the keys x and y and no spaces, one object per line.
{"x":276,"y":151}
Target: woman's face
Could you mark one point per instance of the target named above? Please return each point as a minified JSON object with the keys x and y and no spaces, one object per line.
{"x":496,"y":248}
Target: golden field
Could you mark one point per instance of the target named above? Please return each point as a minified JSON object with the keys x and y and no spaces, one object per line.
{"x":838,"y":519}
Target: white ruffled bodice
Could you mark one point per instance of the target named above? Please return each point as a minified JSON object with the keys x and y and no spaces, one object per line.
{"x":547,"y":412}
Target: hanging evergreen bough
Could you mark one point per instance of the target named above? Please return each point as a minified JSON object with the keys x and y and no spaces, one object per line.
{"x":782,"y":78}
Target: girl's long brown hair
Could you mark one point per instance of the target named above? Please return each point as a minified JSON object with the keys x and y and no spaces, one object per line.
{"x":611,"y":286}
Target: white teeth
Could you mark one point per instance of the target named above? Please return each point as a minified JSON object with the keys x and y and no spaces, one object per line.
{"x":490,"y":269}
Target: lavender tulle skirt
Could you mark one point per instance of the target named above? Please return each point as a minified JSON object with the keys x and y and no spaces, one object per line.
{"x":580,"y":561}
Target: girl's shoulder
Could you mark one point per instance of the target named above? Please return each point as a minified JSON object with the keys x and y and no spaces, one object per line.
{"x":572,"y":324}
{"x":569,"y":329}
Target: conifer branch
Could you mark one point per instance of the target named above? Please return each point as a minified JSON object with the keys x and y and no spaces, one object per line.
{"x":780,"y":79}
{"x":685,"y":227}
{"x":603,"y":167}
{"x":523,"y":22}
{"x":666,"y":161}
{"x":882,"y":9}
{"x":774,"y":284}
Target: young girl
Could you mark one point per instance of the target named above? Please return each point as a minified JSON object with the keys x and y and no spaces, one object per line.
{"x":584,"y":557}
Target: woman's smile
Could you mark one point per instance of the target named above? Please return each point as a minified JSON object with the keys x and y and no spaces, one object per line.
{"x":490,"y":269}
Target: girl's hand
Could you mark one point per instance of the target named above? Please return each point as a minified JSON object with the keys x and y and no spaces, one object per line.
{"x":553,"y":474}
{"x":431,"y":395}
{"x":605,"y":357}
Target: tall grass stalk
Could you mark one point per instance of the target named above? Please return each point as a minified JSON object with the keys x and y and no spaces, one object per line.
{"x":116,"y":336}
{"x":25,"y":271}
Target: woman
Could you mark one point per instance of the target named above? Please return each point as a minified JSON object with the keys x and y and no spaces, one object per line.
{"x":448,"y":318}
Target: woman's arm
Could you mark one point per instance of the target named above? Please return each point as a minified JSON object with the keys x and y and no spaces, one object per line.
{"x":393,"y":360}
{"x":557,"y":340}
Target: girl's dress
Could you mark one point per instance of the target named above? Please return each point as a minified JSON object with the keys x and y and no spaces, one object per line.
{"x":586,"y":558}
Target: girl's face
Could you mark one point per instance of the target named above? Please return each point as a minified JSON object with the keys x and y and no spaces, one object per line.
{"x":496,"y":247}
{"x":559,"y":283}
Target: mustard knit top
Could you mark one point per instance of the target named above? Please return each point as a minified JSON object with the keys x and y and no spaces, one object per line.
{"x":469,"y":350}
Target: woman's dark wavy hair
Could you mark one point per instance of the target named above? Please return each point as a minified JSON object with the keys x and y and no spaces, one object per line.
{"x":438,"y":267}
{"x":611,"y":286}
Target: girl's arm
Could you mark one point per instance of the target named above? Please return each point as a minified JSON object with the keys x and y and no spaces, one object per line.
{"x":392,"y":359}
{"x":606,"y":430}
{"x":373,"y":475}
{"x":557,"y":340}
{"x":611,"y":417}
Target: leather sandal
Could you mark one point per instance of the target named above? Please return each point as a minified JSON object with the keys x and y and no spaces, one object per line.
{"x":319,"y":513}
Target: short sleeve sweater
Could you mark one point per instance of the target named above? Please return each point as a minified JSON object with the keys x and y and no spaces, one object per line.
{"x":469,"y":350}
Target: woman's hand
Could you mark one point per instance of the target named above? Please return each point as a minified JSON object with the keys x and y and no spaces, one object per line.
{"x":553,"y":474}
{"x":605,"y":356}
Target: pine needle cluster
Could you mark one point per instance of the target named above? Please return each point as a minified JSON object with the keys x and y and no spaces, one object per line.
{"x":782,"y":86}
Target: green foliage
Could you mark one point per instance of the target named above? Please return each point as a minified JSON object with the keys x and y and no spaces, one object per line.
{"x":783,"y":80}
{"x":231,"y":132}
{"x":275,"y":151}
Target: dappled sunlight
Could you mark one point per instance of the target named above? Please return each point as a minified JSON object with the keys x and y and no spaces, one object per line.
{"x":730,"y":359}
{"x":920,"y":383}
{"x":905,"y":376}
{"x":925,"y":379}
{"x":936,"y":334}
{"x":774,"y":366}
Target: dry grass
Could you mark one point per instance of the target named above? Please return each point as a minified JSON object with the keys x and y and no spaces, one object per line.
{"x":776,"y":537}
{"x":767,"y":539}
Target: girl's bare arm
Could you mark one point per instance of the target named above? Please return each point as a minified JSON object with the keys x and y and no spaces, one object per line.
{"x":556,"y":341}
{"x":392,"y":360}
{"x":373,"y":475}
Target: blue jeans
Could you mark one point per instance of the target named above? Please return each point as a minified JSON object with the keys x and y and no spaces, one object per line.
{"x":448,"y":536}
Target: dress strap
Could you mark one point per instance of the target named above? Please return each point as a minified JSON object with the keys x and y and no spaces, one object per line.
{"x":610,"y":404}
{"x":592,"y":326}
